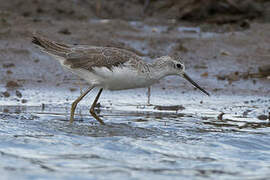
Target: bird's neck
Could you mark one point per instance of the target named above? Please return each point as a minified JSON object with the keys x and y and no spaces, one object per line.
{"x":158,"y":71}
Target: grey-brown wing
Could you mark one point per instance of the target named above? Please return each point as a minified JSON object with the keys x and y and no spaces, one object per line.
{"x":99,"y":57}
{"x":50,"y":46}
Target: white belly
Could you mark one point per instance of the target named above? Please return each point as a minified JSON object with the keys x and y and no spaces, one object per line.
{"x":119,"y":78}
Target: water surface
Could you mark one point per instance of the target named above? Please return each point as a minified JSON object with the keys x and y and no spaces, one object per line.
{"x":141,"y":142}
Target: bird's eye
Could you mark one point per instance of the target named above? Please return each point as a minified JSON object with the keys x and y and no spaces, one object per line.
{"x":179,"y":66}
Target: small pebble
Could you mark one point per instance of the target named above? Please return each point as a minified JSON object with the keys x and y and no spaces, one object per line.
{"x":8,"y":65}
{"x":24,"y":101}
{"x":72,"y":89}
{"x":9,"y":72}
{"x":6,"y":94}
{"x":245,"y":24}
{"x":264,"y":70}
{"x":36,"y":60}
{"x":12,"y":84}
{"x":64,"y":31}
{"x":205,"y":74}
{"x":98,"y":105}
{"x":262,"y":117}
{"x":225,"y":53}
{"x":18,"y":94}
{"x":170,"y":108}
{"x":221,"y":77}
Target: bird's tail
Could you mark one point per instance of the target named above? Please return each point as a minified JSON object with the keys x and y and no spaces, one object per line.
{"x":51,"y":47}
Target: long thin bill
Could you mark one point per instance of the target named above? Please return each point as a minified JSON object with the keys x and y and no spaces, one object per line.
{"x":195,"y":84}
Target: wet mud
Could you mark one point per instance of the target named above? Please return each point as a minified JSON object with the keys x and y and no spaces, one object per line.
{"x":179,"y":133}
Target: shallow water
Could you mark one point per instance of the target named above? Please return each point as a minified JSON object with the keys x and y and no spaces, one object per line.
{"x":39,"y":143}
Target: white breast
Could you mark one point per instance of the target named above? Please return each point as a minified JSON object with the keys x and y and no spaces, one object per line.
{"x":123,"y":78}
{"x":117,"y":79}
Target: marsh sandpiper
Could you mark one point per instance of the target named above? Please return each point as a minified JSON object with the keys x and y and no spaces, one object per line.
{"x":110,"y":68}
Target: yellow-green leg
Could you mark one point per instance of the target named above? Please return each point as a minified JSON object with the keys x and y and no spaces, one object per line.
{"x":92,"y":109}
{"x":74,"y":104}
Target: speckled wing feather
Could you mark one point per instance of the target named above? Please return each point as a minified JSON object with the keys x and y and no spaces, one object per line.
{"x":87,"y":57}
{"x":91,"y":57}
{"x":51,"y":47}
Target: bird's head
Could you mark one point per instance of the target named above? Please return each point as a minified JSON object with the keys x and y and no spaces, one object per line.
{"x":176,"y":67}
